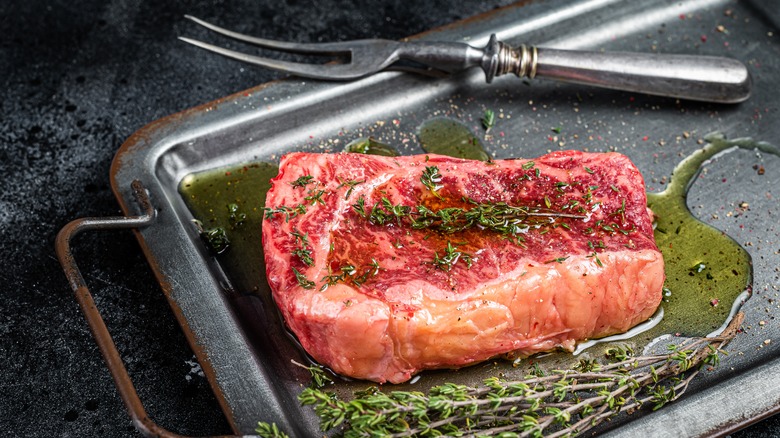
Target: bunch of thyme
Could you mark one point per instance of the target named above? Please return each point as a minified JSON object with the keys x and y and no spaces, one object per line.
{"x":556,"y":404}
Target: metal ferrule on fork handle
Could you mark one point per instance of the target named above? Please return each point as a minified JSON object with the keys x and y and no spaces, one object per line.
{"x":501,"y":58}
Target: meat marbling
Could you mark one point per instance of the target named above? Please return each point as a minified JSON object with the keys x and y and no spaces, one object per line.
{"x":371,"y":301}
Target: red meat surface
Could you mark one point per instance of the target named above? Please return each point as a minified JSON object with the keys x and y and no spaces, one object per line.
{"x":384,"y":299}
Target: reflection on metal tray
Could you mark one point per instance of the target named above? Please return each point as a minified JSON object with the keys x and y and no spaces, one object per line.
{"x":237,"y":336}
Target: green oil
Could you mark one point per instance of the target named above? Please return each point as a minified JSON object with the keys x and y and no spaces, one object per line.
{"x":449,"y":137}
{"x":706,"y":270}
{"x":209,"y":194}
{"x":370,"y":146}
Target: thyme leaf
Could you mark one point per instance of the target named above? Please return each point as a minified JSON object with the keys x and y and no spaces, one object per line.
{"x":269,"y":430}
{"x":488,"y":120}
{"x":557,"y":260}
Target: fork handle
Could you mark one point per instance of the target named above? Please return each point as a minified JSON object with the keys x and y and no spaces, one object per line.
{"x":703,"y":78}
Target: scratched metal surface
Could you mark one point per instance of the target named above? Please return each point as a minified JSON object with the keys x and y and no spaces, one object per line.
{"x":239,"y":343}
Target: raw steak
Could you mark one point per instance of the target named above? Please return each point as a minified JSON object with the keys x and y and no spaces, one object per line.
{"x":378,"y":281}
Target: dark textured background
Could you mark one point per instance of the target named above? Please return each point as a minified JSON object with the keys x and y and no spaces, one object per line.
{"x":78,"y":79}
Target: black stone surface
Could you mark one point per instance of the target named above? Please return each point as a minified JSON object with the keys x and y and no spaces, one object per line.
{"x":78,"y":78}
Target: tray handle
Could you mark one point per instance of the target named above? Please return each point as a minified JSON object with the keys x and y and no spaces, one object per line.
{"x":97,"y":326}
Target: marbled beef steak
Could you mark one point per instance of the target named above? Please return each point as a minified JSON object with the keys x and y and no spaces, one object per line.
{"x":383,"y":267}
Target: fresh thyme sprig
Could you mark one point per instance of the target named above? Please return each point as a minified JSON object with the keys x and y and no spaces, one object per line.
{"x":556,"y":404}
{"x":351,"y":183}
{"x":450,"y":257}
{"x":302,"y":181}
{"x":349,"y":272}
{"x":216,"y":239}
{"x":302,"y":280}
{"x":304,"y":251}
{"x":288,"y":212}
{"x":431,"y":178}
{"x":498,"y":216}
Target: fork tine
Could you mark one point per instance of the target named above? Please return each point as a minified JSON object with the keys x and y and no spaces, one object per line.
{"x":315,"y":71}
{"x":310,"y":48}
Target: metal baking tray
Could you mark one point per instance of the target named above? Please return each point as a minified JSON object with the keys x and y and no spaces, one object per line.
{"x":236,"y":334}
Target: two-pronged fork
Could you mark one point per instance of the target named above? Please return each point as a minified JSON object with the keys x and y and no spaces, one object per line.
{"x":704,"y":78}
